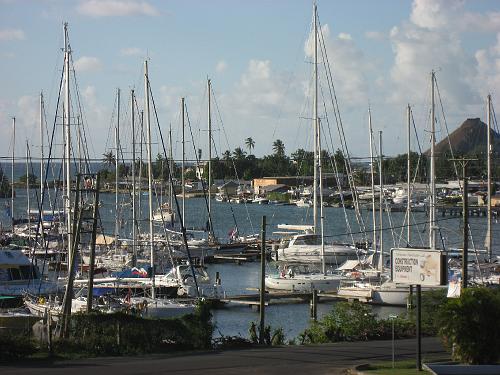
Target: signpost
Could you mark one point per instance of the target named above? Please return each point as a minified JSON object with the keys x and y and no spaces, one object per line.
{"x":418,"y":267}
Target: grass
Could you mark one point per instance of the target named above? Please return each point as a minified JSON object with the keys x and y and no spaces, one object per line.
{"x":406,"y":367}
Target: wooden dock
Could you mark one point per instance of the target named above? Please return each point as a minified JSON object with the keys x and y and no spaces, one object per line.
{"x":473,"y":211}
{"x":275,"y":298}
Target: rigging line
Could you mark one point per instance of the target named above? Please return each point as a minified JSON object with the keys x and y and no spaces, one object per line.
{"x":232,"y":160}
{"x":81,"y":112}
{"x":183,"y":228}
{"x":447,"y":133}
{"x":340,"y":128}
{"x":388,"y":228}
{"x":211,"y":228}
{"x":332,"y":157}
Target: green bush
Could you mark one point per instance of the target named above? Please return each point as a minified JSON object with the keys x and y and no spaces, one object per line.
{"x":15,"y":347}
{"x":354,"y":322}
{"x":469,"y":325}
{"x":99,"y":334}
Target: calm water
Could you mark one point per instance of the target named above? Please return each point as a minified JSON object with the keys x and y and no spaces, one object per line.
{"x":237,"y":279}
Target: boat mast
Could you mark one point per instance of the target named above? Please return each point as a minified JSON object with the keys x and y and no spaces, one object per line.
{"x":134,"y":214}
{"x":489,"y":152}
{"x":28,"y":191}
{"x":41,"y":146}
{"x":408,"y":178}
{"x":322,"y":223}
{"x":432,"y":207}
{"x":150,"y":176}
{"x":12,"y":171}
{"x":67,"y":127}
{"x":315,"y":119}
{"x":372,"y":172}
{"x":171,"y":166}
{"x":182,"y":166}
{"x":209,"y":86}
{"x":117,"y":145}
{"x":381,"y":205}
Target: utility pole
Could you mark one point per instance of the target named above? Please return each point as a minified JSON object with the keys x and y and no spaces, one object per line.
{"x":262,"y":291}
{"x":465,"y":206}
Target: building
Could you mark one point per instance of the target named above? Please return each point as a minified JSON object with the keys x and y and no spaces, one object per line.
{"x":329,"y":180}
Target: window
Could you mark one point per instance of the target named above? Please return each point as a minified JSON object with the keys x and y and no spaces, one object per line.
{"x":15,"y":274}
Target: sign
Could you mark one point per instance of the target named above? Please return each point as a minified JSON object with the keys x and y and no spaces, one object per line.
{"x":418,"y":266}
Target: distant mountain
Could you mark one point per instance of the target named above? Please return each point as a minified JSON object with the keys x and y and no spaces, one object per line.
{"x":469,"y":138}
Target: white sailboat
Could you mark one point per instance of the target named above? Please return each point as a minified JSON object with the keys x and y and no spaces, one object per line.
{"x":310,"y":247}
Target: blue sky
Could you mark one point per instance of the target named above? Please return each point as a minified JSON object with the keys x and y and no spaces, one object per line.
{"x":257,"y":56}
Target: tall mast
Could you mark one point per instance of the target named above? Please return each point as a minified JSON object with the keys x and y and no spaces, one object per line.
{"x":432,"y":208}
{"x":150,"y":176}
{"x":67,"y":127}
{"x":28,"y":191}
{"x":134,"y":214}
{"x":381,"y":204}
{"x":209,"y":85}
{"x":322,"y":221}
{"x":41,"y":146}
{"x":372,"y":172}
{"x":408,"y":177}
{"x":489,"y":153}
{"x":117,"y":157}
{"x":315,"y":119}
{"x":12,"y":170}
{"x":182,"y":166}
{"x":171,"y":165}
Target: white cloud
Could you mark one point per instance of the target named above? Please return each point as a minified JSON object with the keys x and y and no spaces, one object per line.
{"x":11,"y":34}
{"x":111,"y":8}
{"x":221,"y":66}
{"x":132,"y":51}
{"x":375,"y":35}
{"x":88,"y":64}
{"x":345,"y":36}
{"x":348,"y":65}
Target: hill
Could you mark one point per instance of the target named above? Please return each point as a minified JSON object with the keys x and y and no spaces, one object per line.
{"x":468,"y":138}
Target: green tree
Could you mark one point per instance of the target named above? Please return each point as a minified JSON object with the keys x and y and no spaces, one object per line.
{"x":250,"y":143}
{"x":5,"y":188}
{"x":238,"y":153}
{"x":279,"y":148}
{"x":109,"y":159}
{"x":31,"y":178}
{"x":469,"y":325}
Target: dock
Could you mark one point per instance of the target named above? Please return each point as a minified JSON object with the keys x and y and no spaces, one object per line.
{"x":281,"y":298}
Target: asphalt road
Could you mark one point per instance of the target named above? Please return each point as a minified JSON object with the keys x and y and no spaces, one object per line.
{"x":313,"y":359}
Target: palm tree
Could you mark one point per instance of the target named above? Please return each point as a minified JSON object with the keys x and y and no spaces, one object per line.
{"x":238,"y":153}
{"x":109,"y":159}
{"x":279,"y":148}
{"x":227,"y":157}
{"x":250,"y":143}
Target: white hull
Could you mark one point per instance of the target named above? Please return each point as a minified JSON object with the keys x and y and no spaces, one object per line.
{"x":334,"y":254}
{"x":303,"y":283}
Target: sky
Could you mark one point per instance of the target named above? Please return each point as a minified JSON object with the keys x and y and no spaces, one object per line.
{"x":258,"y":56}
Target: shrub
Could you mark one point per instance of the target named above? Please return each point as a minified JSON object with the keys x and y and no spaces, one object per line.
{"x":15,"y":347}
{"x":354,"y":322}
{"x":469,"y":325}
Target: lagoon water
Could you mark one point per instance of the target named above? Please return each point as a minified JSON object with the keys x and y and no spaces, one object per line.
{"x":237,"y":279}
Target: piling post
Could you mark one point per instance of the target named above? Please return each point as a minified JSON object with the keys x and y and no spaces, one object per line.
{"x":90,"y":289}
{"x":419,"y":333}
{"x":314,"y":305}
{"x":465,"y":251}
{"x":262,"y":280}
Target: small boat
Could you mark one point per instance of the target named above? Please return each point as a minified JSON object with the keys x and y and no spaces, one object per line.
{"x":260,"y":200}
{"x":19,"y":276}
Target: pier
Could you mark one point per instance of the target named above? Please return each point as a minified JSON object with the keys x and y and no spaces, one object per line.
{"x":477,"y":211}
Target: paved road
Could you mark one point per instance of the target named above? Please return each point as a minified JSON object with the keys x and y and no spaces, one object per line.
{"x":313,"y":359}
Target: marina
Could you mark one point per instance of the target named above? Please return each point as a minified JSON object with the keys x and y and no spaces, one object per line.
{"x":156,"y":220}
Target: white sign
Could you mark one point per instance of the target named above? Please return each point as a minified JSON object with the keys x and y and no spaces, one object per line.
{"x":418,"y":266}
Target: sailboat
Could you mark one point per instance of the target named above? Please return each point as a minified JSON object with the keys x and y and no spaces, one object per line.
{"x":309,"y":248}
